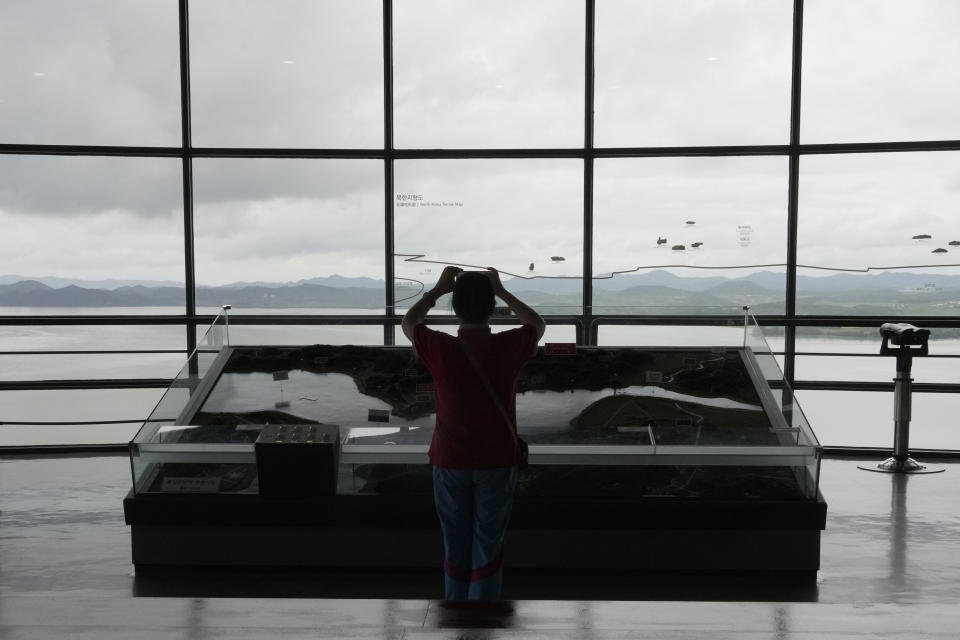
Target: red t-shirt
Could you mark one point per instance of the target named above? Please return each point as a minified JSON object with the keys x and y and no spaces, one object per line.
{"x":470,"y":432}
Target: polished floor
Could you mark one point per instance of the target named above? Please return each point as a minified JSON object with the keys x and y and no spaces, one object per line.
{"x":890,"y":568}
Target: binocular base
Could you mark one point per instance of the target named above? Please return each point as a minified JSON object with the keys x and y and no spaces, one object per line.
{"x":907,"y":465}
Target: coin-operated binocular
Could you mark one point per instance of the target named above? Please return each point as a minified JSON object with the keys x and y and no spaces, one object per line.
{"x":906,"y":342}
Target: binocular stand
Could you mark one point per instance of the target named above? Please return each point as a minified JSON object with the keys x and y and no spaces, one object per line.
{"x":908,"y":342}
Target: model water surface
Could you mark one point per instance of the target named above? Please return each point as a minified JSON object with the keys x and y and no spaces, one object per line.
{"x":597,"y":396}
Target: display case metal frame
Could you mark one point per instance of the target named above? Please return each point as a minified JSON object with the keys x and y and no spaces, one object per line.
{"x":790,"y":453}
{"x":370,"y":531}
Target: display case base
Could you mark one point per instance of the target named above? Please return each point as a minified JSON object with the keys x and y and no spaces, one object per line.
{"x":364,"y":532}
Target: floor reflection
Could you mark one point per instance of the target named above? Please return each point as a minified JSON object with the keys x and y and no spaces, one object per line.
{"x":518,"y":585}
{"x":898,"y":530}
{"x":474,"y":615}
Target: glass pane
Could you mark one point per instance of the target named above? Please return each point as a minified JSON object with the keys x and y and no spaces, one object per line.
{"x":875,"y":369}
{"x":287,"y":73}
{"x":877,"y":234}
{"x":301,"y":235}
{"x":849,"y":418}
{"x":91,"y":235}
{"x":932,"y":424}
{"x":865,"y":418}
{"x":87,"y":338}
{"x":500,"y":73}
{"x":292,"y":335}
{"x":698,"y":72}
{"x":73,"y":406}
{"x":90,"y":366}
{"x":522,"y":217}
{"x":880,"y":70}
{"x":865,"y":340}
{"x":845,"y":368}
{"x":774,"y":335}
{"x":92,"y":72}
{"x":862,"y":361}
{"x":613,"y":335}
{"x":690,"y":233}
{"x":181,"y":390}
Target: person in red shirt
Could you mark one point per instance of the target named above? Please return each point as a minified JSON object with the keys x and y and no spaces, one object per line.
{"x":474,"y":450}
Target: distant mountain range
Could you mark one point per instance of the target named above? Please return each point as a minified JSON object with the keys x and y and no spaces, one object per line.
{"x":32,"y":293}
{"x":58,"y":283}
{"x":763,"y":291}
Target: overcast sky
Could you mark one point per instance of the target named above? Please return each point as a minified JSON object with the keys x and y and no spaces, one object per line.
{"x":504,"y":73}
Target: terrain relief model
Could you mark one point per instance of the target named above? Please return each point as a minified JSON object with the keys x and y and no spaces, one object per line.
{"x":596,"y":396}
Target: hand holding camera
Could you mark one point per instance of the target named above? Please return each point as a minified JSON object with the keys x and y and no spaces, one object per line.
{"x":447,"y":278}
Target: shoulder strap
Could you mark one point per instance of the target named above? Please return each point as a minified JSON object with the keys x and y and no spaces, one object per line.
{"x":488,"y":386}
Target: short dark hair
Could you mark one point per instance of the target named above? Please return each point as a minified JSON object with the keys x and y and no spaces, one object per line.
{"x":473,"y":299}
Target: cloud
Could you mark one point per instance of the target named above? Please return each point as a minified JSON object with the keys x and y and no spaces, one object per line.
{"x":638,"y":201}
{"x":510,"y":74}
{"x":105,"y":244}
{"x":289,"y":239}
{"x":96,"y":73}
{"x":879,"y":70}
{"x":692,"y":73}
{"x":863,"y":210}
{"x":513,"y":211}
{"x":287,"y":73}
{"x":81,"y":185}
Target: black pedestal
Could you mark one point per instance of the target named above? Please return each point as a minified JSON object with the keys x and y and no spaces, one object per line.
{"x":298,"y":460}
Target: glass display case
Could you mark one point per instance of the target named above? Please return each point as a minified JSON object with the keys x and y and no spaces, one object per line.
{"x":708,"y":416}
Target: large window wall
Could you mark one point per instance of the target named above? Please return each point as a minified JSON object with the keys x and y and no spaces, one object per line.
{"x":622,"y":163}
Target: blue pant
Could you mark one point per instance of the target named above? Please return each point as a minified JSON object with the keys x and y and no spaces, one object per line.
{"x":474,"y":507}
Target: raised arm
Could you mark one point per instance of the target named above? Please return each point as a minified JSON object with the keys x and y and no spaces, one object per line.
{"x":524,"y":313}
{"x":418,"y":312}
